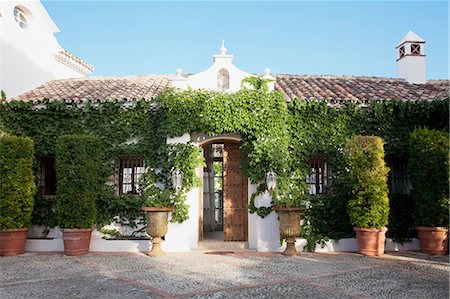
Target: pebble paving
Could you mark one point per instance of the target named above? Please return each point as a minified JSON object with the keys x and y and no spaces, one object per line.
{"x":224,"y":275}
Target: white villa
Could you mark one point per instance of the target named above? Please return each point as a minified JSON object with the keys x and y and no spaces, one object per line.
{"x":209,"y":224}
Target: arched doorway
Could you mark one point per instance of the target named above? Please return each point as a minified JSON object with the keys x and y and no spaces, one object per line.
{"x":224,"y":203}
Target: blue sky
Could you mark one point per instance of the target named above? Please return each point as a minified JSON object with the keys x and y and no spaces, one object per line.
{"x":335,"y":38}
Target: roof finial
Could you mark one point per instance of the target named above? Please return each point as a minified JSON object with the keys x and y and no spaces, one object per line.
{"x":223,"y":50}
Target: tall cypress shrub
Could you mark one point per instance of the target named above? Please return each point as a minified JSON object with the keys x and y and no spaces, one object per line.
{"x":17,"y":186}
{"x":368,"y":206}
{"x":78,"y":168}
{"x":429,"y":154}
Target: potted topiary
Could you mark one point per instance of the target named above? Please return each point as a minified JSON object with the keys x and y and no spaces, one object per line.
{"x":368,"y":207}
{"x":429,"y":178}
{"x":78,"y":164}
{"x":17,"y":189}
{"x":288,"y":202}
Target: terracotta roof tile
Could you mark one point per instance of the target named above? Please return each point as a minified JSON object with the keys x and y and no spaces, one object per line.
{"x":334,"y":89}
{"x":93,"y":89}
{"x":366,"y":89}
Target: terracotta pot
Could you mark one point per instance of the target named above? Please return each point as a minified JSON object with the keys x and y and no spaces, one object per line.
{"x":371,"y":240}
{"x":433,"y":240}
{"x":77,"y":241}
{"x":289,"y":227}
{"x":12,"y":241}
{"x":157,"y":221}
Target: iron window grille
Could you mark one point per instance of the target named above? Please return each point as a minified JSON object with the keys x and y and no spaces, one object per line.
{"x":131,"y":169}
{"x":319,"y":178}
{"x":398,"y":179}
{"x":47,"y":175}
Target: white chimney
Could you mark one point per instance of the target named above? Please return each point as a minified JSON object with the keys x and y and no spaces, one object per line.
{"x":411,"y":59}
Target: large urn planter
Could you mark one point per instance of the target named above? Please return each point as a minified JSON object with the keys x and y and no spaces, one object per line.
{"x":77,"y":241}
{"x":433,"y":240}
{"x":289,"y":227}
{"x":12,"y":241}
{"x":371,"y":240}
{"x":157,"y":226}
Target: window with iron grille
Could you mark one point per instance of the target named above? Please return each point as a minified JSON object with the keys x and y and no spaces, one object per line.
{"x":47,"y":175}
{"x":319,"y":174}
{"x":131,"y":169}
{"x":398,"y":178}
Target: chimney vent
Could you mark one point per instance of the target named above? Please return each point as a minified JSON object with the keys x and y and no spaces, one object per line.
{"x":411,"y":59}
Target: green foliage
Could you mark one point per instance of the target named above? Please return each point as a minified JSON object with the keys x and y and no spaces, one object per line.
{"x":2,"y":96}
{"x":110,"y":233}
{"x":158,"y":190}
{"x":326,"y":218}
{"x":44,"y":211}
{"x":17,"y":186}
{"x":261,"y":118}
{"x":115,"y":123}
{"x":369,"y":203}
{"x":275,"y":136}
{"x":78,"y":168}
{"x":257,"y":83}
{"x":123,"y":209}
{"x":429,"y":154}
{"x":290,"y":191}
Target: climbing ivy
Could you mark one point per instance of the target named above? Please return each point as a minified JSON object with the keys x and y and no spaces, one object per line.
{"x":260,"y":117}
{"x":276,"y":135}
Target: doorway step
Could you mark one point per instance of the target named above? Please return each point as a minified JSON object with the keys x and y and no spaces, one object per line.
{"x":218,"y":245}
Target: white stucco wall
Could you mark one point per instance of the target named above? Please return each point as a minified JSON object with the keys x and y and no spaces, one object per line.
{"x":27,"y":55}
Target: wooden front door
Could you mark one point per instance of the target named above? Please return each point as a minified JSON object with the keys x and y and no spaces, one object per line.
{"x":235,"y":205}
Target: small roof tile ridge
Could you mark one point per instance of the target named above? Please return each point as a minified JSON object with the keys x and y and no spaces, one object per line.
{"x":346,"y":77}
{"x":146,"y":76}
{"x":309,"y":76}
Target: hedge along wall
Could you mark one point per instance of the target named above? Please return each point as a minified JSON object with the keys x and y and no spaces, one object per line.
{"x":112,"y":121}
{"x":317,"y":128}
{"x":78,"y":168}
{"x":312,"y":127}
{"x":17,"y":186}
{"x":429,"y":155}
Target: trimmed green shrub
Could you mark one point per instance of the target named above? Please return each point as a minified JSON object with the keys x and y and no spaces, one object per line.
{"x":429,"y":177}
{"x":368,"y":206}
{"x":17,"y":185}
{"x":78,"y":173}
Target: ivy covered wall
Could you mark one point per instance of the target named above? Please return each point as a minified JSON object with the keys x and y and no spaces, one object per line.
{"x":276,"y":135}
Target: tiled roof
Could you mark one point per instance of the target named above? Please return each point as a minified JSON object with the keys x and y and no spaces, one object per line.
{"x":94,"y":89}
{"x":335,"y":89}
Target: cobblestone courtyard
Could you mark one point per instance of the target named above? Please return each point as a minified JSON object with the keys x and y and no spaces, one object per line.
{"x":240,"y":275}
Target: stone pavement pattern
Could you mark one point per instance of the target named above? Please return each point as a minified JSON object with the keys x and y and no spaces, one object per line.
{"x":239,"y":275}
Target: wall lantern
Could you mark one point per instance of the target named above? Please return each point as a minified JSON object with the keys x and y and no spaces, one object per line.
{"x":177,"y":179}
{"x":271,"y":181}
